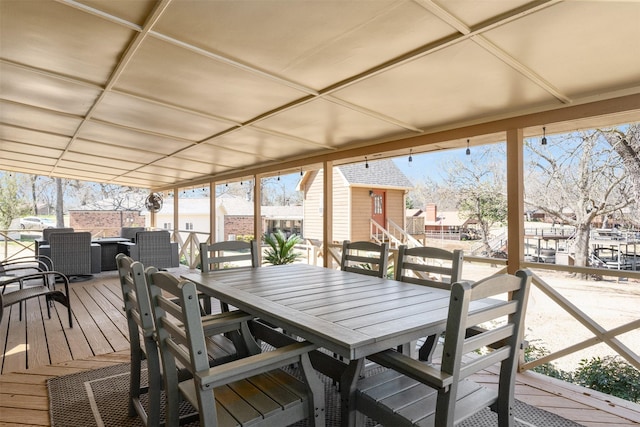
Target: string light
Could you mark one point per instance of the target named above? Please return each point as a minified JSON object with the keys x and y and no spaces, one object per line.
{"x":544,"y":135}
{"x":468,"y":152}
{"x":278,"y":176}
{"x":301,"y":172}
{"x":410,"y":156}
{"x":366,"y":162}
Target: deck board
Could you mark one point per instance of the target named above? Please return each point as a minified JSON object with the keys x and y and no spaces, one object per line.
{"x":99,"y":339}
{"x":39,"y":354}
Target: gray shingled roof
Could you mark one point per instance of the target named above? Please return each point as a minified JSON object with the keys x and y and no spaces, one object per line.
{"x":379,"y":173}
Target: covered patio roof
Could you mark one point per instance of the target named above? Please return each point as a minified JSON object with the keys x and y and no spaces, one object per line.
{"x":170,"y":93}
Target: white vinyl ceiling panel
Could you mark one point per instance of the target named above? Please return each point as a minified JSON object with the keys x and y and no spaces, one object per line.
{"x":18,"y":149}
{"x":101,"y":132}
{"x":163,"y":71}
{"x":20,"y":115}
{"x":111,"y":151}
{"x":180,"y":173}
{"x":194,"y":167}
{"x":329,"y":124}
{"x":117,"y":166}
{"x":39,"y":90}
{"x":427,"y":91}
{"x":52,"y":36}
{"x":137,"y":113}
{"x":32,"y":138}
{"x":313,"y":43}
{"x":75,"y":162}
{"x":28,"y":158}
{"x":561,"y":53}
{"x":227,"y":156}
{"x":267,"y":145}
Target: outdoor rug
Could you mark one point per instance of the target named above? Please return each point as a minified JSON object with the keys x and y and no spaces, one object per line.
{"x":99,"y":398}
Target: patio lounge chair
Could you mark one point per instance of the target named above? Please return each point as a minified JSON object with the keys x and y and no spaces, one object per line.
{"x":130,"y":233}
{"x":233,"y":393}
{"x":152,"y":248}
{"x":73,"y":253}
{"x":46,"y":233}
{"x":411,"y":392}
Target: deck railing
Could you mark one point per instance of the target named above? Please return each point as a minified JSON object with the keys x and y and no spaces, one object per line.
{"x":189,"y":250}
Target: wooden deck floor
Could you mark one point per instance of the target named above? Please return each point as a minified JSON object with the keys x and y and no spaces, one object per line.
{"x":41,"y":348}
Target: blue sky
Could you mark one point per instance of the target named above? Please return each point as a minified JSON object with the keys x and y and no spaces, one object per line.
{"x":428,"y":165}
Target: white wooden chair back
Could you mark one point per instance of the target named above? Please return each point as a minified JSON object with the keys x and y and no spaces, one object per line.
{"x":429,"y":266}
{"x":365,"y":257}
{"x":216,"y":256}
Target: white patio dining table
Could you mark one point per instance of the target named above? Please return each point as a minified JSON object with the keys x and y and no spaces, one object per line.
{"x":349,"y":314}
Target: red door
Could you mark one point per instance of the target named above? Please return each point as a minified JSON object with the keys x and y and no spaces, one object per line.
{"x":378,"y":211}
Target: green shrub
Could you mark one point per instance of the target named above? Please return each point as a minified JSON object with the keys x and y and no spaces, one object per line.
{"x":535,"y":352}
{"x":611,"y":375}
{"x":281,"y":249}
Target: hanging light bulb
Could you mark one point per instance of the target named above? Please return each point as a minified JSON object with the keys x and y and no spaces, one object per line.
{"x":278,"y":176}
{"x":544,"y":135}
{"x":301,"y":172}
{"x":468,"y":152}
{"x":410,"y":156}
{"x":226,"y":184}
{"x":366,"y":162}
{"x":240,"y":182}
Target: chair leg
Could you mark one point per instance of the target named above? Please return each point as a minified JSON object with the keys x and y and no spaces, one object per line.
{"x":428,"y":348}
{"x":155,"y":388}
{"x":48,"y":302}
{"x":134,"y":382}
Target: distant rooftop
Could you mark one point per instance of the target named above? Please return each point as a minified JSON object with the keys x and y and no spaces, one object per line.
{"x":380,"y":173}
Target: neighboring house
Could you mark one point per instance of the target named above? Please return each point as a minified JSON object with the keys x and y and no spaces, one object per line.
{"x":104,"y":223}
{"x":234,"y":217}
{"x":360,"y":194}
{"x":445,"y":223}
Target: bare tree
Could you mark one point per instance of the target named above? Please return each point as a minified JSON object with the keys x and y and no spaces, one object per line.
{"x":59,"y":203}
{"x":428,"y":190}
{"x":480,"y":185}
{"x":627,"y":144}
{"x":576,"y":179}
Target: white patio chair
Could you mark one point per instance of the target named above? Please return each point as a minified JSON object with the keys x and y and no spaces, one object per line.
{"x":415,"y":393}
{"x":429,"y":266}
{"x":235,"y":393}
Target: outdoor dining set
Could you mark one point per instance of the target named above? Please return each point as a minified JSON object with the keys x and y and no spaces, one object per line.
{"x":263,"y":357}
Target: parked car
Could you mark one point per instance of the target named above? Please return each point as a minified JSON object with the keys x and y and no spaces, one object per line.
{"x":36,"y":223}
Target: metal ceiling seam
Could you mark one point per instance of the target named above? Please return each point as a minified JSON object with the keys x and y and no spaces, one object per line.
{"x":373,"y":114}
{"x":99,"y":13}
{"x":442,"y":43}
{"x":236,"y":64}
{"x":292,"y":138}
{"x":494,"y":50}
{"x":42,"y":109}
{"x":57,"y":76}
{"x":520,"y":68}
{"x":176,"y":107}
